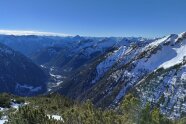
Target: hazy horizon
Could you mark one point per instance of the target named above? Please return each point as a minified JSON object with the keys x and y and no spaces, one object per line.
{"x":58,"y":34}
{"x":118,"y":18}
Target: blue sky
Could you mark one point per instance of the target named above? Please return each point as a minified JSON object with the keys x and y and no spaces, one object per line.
{"x":148,"y":18}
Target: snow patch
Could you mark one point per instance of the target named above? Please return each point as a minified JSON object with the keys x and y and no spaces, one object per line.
{"x":180,"y":55}
{"x":56,"y":117}
{"x":31,"y":88}
{"x":3,"y":121}
{"x":105,"y":65}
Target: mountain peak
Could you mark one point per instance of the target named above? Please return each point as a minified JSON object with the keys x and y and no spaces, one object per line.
{"x":183,"y":35}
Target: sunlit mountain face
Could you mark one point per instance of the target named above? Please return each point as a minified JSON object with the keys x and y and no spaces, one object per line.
{"x":101,"y":69}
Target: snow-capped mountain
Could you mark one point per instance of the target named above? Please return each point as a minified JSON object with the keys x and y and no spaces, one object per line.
{"x":104,"y":70}
{"x":149,"y":69}
{"x":99,"y":65}
{"x":166,"y":84}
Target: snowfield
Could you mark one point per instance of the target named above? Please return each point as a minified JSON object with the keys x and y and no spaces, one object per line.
{"x":167,"y":56}
{"x":180,"y":52}
{"x":56,"y":117}
{"x":3,"y":121}
{"x":109,"y":62}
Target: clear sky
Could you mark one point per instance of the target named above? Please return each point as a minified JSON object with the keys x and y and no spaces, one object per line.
{"x":148,"y":18}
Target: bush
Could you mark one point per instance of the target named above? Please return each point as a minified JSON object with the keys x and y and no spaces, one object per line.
{"x":1,"y":115}
{"x":29,"y":115}
{"x":5,"y":101}
{"x":19,"y":100}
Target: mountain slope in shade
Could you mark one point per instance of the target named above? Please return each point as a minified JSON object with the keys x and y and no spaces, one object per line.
{"x":29,"y":45}
{"x":19,"y":75}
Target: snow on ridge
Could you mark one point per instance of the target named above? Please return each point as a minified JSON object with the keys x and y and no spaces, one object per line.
{"x":169,"y":38}
{"x":105,"y":65}
{"x":183,"y":34}
{"x":180,"y":55}
{"x":157,"y":42}
{"x":167,"y":56}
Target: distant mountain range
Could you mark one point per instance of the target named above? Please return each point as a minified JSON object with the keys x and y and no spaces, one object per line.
{"x":102,"y":69}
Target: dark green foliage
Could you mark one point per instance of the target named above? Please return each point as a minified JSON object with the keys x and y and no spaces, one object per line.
{"x":5,"y":100}
{"x":182,"y":121}
{"x":19,"y":100}
{"x":28,"y":115}
{"x":128,"y":112}
{"x":132,"y":112}
{"x":1,"y":114}
{"x":53,"y":103}
{"x":152,"y":116}
{"x":130,"y":109}
{"x":87,"y":114}
{"x":145,"y":115}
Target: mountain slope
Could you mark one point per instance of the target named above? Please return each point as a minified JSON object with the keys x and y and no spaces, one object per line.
{"x":166,"y":85}
{"x":104,"y":70}
{"x":29,"y":45}
{"x":89,"y":75}
{"x":19,"y":75}
{"x":111,"y":76}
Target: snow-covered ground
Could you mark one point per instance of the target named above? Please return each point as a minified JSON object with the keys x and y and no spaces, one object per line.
{"x":180,"y":53}
{"x":105,"y":65}
{"x":56,"y":117}
{"x":170,"y":87}
{"x":3,"y":121}
{"x":56,"y":79}
{"x":165,"y":52}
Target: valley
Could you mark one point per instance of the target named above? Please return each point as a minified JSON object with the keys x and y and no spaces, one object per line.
{"x":100,"y":69}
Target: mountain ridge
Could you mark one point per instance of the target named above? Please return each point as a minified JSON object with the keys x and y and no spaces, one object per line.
{"x":104,"y":70}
